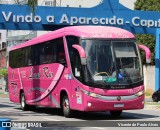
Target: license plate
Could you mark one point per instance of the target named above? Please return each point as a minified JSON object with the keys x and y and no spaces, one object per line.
{"x":118,"y":105}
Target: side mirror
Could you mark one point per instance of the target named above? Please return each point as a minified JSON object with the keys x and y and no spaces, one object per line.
{"x":81,"y":53}
{"x":147,"y":52}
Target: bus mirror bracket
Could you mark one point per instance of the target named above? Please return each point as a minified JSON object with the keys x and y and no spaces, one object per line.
{"x":147,"y":52}
{"x":81,"y":52}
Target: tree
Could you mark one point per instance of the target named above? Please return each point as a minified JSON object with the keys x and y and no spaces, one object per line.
{"x":149,"y":41}
{"x":146,"y":39}
{"x":31,"y":4}
{"x":147,"y":5}
{"x":3,"y":72}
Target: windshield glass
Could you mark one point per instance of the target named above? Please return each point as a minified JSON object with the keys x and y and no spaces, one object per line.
{"x":112,"y":62}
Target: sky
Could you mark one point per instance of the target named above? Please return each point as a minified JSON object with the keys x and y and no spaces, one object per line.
{"x":128,"y":3}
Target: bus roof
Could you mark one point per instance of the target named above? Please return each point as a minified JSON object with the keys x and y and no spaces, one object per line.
{"x":81,"y":31}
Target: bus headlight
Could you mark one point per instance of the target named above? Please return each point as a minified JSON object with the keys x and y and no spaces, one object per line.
{"x":85,"y":92}
{"x":94,"y":95}
{"x":139,"y":93}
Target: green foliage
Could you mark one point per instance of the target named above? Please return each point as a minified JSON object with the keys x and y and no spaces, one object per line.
{"x":149,"y":41}
{"x":3,"y":72}
{"x":148,"y":94}
{"x":31,"y":4}
{"x":146,"y":39}
{"x":149,"y":5}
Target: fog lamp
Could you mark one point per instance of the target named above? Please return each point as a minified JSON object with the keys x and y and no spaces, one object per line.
{"x":89,"y":104}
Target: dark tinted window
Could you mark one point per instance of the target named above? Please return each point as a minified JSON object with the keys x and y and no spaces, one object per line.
{"x":43,"y":53}
{"x":27,"y":56}
{"x":47,"y":52}
{"x":60,"y":51}
{"x":35,"y":54}
{"x":74,"y":57}
{"x":71,"y":40}
{"x":16,"y":58}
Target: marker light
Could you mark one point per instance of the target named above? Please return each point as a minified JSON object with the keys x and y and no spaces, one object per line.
{"x":89,"y":104}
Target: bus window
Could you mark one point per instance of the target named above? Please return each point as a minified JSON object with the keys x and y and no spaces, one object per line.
{"x":16,"y":58}
{"x":74,"y":57}
{"x":35,"y":54}
{"x":27,"y":56}
{"x":60,"y":51}
{"x":47,"y":52}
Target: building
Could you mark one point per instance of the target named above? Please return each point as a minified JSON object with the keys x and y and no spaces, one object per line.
{"x":18,"y":37}
{"x":2,"y":48}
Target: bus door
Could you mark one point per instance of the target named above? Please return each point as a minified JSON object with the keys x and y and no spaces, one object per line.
{"x":76,"y":73}
{"x":77,"y":81}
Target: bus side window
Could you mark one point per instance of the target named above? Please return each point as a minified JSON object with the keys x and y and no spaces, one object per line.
{"x":27,"y":56}
{"x":12,"y":59}
{"x":42,"y":51}
{"x":60,"y":51}
{"x":16,"y":58}
{"x":47,"y":52}
{"x":35,"y":54}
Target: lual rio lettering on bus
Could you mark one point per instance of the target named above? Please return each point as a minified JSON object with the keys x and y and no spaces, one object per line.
{"x":74,"y":20}
{"x":45,"y":72}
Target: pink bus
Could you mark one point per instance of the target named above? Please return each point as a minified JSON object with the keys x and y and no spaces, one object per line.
{"x":84,"y":68}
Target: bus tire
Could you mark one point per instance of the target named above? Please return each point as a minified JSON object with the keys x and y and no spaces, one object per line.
{"x":116,"y":113}
{"x":24,"y":106}
{"x":66,"y":107}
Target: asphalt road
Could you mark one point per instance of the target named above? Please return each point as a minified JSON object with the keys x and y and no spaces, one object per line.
{"x":54,"y":119}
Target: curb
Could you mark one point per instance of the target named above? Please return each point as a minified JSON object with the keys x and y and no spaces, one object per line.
{"x":152,"y":107}
{"x":4,"y":95}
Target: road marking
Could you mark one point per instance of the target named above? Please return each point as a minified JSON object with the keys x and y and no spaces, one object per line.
{"x":51,"y":119}
{"x":3,"y":110}
{"x":98,"y":128}
{"x":9,"y":110}
{"x":146,"y":118}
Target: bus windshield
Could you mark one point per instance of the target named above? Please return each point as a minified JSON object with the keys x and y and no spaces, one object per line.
{"x":112,"y":62}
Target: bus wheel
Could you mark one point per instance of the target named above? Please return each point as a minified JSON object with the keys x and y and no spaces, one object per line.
{"x":24,"y":106}
{"x":66,"y":107}
{"x":115,"y":113}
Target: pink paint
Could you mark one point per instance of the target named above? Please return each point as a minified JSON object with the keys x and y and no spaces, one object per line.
{"x":100,"y":105}
{"x":80,"y":50}
{"x":81,"y":31}
{"x":147,"y":51}
{"x":123,"y":92}
{"x":43,"y":84}
{"x":51,"y":86}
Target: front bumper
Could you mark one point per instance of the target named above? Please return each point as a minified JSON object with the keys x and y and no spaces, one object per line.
{"x":94,"y":104}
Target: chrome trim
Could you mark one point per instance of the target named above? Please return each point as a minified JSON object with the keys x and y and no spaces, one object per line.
{"x":114,"y":98}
